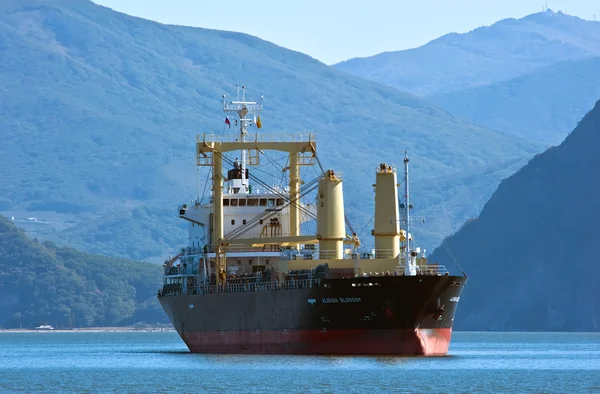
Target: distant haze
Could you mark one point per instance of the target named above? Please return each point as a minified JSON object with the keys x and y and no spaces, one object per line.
{"x":334,"y":30}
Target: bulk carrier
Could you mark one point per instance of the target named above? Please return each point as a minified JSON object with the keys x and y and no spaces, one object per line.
{"x":250,"y":282}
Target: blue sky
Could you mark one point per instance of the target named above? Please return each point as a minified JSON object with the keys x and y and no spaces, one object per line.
{"x":335,"y":30}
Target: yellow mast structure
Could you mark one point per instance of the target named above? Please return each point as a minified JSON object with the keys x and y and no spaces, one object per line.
{"x":210,"y":149}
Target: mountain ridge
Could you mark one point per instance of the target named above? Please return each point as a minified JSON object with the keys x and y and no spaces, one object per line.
{"x":540,"y":105}
{"x":530,"y":254}
{"x":487,"y":54}
{"x":102,"y":110}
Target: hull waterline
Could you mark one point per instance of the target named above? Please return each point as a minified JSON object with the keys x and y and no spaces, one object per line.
{"x":338,"y":320}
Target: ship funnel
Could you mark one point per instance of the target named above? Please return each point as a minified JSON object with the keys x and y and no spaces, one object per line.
{"x":331,"y":229}
{"x":387,"y":226}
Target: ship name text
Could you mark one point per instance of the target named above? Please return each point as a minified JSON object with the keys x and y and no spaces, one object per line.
{"x":336,"y":300}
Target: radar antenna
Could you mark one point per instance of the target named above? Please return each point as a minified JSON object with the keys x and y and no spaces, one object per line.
{"x":243,"y":109}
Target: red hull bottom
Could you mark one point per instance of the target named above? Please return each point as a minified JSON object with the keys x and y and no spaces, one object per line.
{"x":401,"y":342}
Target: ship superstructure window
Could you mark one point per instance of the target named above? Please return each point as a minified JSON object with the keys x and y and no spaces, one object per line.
{"x":253,"y":202}
{"x":225,"y":202}
{"x":250,"y":261}
{"x":263,"y":202}
{"x":262,"y":221}
{"x":234,"y":202}
{"x":280,"y":202}
{"x":244,"y":222}
{"x":271,"y":202}
{"x":233,"y":222}
{"x":242,"y":202}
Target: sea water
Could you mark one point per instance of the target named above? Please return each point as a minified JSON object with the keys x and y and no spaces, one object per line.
{"x":160,"y":362}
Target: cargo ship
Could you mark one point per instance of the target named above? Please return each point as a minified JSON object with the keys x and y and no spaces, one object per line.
{"x":250,"y":281}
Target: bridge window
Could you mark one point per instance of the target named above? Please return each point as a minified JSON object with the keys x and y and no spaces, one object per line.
{"x":271,"y":202}
{"x":280,"y":201}
{"x":225,"y":202}
{"x":234,"y":202}
{"x":253,"y":202}
{"x":263,"y":202}
{"x":261,"y":221}
{"x":242,"y":202}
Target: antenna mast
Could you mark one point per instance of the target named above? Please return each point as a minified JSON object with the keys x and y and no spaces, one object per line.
{"x":242,"y":108}
{"x":409,"y":269}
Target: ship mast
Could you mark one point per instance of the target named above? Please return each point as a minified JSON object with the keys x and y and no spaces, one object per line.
{"x":242,"y":109}
{"x":409,"y":268}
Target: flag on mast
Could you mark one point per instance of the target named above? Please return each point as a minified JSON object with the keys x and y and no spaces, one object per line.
{"x":227,"y":122}
{"x":258,"y":122}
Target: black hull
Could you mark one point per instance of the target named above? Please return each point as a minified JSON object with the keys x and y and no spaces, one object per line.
{"x":395,"y":315}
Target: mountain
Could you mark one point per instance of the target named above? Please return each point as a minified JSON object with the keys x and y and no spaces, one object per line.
{"x":531,"y":255}
{"x":100,"y":110}
{"x":502,"y":51}
{"x":44,"y":283}
{"x":543,"y":105}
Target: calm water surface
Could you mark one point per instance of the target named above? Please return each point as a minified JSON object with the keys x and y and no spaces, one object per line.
{"x":150,"y":362}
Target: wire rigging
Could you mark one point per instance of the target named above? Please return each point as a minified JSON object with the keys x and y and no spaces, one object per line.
{"x":270,"y":188}
{"x":307,"y":188}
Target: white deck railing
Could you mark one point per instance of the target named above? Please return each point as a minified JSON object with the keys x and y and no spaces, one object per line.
{"x":310,"y":137}
{"x":290,"y":284}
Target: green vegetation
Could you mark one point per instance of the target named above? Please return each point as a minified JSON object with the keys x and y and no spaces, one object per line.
{"x":45,"y":283}
{"x":532,"y":256}
{"x":99,"y":113}
{"x":136,"y":233}
{"x":502,"y":51}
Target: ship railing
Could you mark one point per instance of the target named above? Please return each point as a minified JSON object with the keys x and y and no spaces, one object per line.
{"x":244,"y":248}
{"x":309,"y":254}
{"x":190,"y":250}
{"x":387,"y":168}
{"x":432,"y":270}
{"x":368,"y":254}
{"x":178,"y":270}
{"x":422,"y":270}
{"x":256,"y":137}
{"x":314,"y":254}
{"x":289,"y":284}
{"x":337,"y":174}
{"x":385,"y":253}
